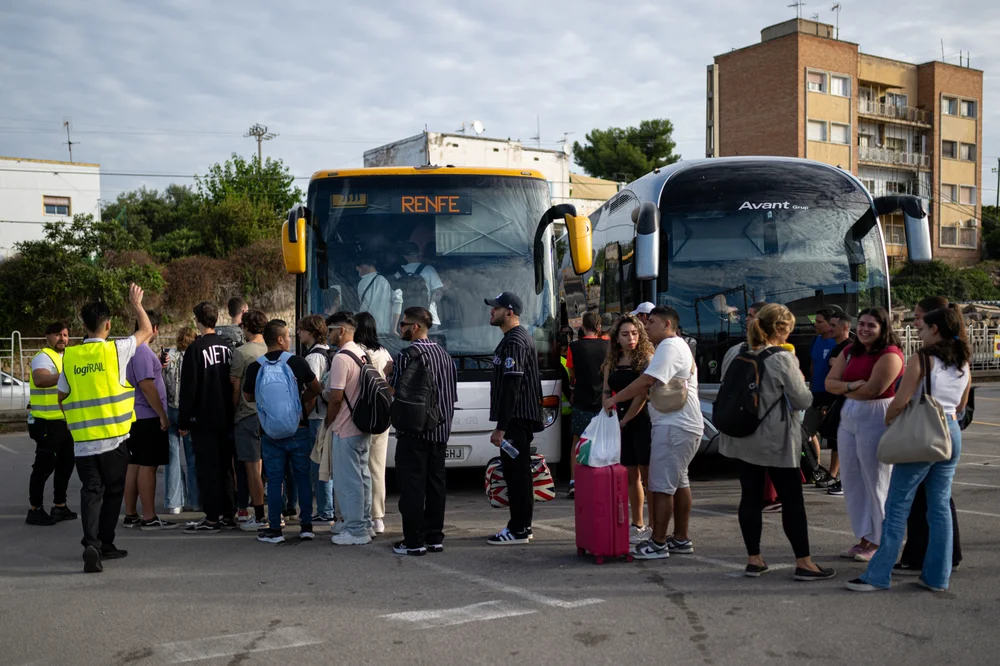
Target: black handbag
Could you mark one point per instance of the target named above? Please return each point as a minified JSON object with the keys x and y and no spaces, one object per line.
{"x":830,"y":422}
{"x":970,"y":410}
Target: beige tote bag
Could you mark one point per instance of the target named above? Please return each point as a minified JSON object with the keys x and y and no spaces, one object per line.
{"x":920,"y":433}
{"x":672,"y":396}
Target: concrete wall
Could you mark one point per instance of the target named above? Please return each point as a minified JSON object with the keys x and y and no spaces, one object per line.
{"x":23,"y":185}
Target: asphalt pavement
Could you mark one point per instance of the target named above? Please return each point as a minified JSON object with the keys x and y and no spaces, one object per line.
{"x":227,"y":599}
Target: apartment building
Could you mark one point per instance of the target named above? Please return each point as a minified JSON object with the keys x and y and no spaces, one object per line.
{"x":900,"y":127}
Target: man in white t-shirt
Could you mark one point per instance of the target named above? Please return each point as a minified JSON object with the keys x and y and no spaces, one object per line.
{"x":676,"y":436}
{"x":435,"y":287}
{"x":376,"y":295}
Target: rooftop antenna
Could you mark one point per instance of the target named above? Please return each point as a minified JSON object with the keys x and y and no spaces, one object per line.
{"x":836,"y":8}
{"x":815,"y":17}
{"x":798,"y":8}
{"x":942,"y":50}
{"x":565,"y":143}
{"x":259,"y":132}
{"x":538,"y":132}
{"x":69,"y":142}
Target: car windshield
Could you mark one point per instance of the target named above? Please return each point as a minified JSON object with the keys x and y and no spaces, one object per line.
{"x":385,"y":243}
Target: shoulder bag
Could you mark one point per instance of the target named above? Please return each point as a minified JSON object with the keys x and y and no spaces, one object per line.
{"x":672,"y":396}
{"x":920,"y":433}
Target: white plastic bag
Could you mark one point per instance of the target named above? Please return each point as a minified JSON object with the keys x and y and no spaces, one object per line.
{"x":600,"y":444}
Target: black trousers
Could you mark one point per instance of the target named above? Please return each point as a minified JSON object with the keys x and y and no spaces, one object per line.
{"x":788,"y":485}
{"x":918,"y":532}
{"x":421,"y":479}
{"x":103,"y":479}
{"x":517,"y":474}
{"x":214,"y":451}
{"x":53,"y":453}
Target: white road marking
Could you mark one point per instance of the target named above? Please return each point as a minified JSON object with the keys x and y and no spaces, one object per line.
{"x":233,"y":644}
{"x":811,"y":527}
{"x":978,"y":455}
{"x":446,"y":617}
{"x":983,"y":465}
{"x":976,"y":485}
{"x":8,"y":449}
{"x":979,"y":513}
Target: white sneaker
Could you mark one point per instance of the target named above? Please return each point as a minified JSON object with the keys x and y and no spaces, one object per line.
{"x":348,"y":539}
{"x":174,"y":511}
{"x":251,"y":525}
{"x":371,"y":531}
{"x":637,"y":535}
{"x":379,"y":525}
{"x":338,"y":527}
{"x":243,"y":515}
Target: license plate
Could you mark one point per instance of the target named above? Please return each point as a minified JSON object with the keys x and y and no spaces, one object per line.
{"x":454,"y":453}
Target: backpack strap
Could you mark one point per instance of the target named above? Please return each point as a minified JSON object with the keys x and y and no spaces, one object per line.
{"x":361,"y":364}
{"x":283,"y":358}
{"x":369,"y":287}
{"x":420,"y":269}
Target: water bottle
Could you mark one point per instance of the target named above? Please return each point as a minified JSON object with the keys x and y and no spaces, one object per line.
{"x":507,"y":447}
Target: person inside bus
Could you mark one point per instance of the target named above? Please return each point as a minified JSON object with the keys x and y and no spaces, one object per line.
{"x":416,"y":266}
{"x":376,"y":295}
{"x":866,"y":373}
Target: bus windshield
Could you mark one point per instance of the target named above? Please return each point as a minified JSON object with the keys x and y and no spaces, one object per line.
{"x":378,"y":242}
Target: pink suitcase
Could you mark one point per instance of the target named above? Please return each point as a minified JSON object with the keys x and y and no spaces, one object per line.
{"x":601,"y":506}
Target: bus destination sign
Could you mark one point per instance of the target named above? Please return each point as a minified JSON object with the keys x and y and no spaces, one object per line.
{"x":433,"y":204}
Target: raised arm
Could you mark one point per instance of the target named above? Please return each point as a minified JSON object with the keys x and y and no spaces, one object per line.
{"x":145,"y":331}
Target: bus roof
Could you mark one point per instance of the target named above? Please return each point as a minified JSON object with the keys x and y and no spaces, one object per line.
{"x":426,"y":171}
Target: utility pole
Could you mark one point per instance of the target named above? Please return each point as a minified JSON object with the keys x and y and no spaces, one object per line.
{"x":259,"y":132}
{"x":836,"y":8}
{"x":996,"y":170}
{"x":69,"y":142}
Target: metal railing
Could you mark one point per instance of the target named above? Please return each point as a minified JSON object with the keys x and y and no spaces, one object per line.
{"x":893,"y":111}
{"x":894,"y":157}
{"x":981,"y":338}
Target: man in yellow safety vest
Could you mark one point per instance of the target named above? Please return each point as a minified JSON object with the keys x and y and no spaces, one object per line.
{"x":98,"y":403}
{"x":47,"y":426}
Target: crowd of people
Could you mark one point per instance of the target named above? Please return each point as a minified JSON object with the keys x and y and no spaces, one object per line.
{"x":255,"y":436}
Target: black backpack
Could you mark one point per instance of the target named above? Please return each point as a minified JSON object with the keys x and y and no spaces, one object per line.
{"x":327,"y":353}
{"x":414,"y":288}
{"x":738,"y":401}
{"x":415,"y":403}
{"x":371,"y":411}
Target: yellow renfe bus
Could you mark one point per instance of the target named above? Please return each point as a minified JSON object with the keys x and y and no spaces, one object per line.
{"x":467,"y":234}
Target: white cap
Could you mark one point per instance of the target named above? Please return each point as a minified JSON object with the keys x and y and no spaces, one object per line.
{"x":644,"y":308}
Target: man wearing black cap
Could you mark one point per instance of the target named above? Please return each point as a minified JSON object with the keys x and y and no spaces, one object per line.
{"x":515,"y":395}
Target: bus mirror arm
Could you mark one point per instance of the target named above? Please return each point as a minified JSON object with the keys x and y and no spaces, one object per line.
{"x":918,"y":231}
{"x":578,"y":229}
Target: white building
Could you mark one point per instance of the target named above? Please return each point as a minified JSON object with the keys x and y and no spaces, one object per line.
{"x":467,"y":150}
{"x":33,"y":192}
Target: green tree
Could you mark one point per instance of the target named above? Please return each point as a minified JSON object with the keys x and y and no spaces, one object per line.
{"x":234,"y":222}
{"x":270,"y":184}
{"x":626,"y":153}
{"x":991,"y":232}
{"x":150,"y":214}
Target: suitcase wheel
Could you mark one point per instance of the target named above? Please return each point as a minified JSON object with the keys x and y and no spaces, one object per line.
{"x":629,"y":559}
{"x":599,"y":560}
{"x":581,"y":551}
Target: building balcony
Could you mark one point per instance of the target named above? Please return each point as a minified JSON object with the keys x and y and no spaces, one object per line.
{"x":894,"y":157}
{"x":905,"y":114}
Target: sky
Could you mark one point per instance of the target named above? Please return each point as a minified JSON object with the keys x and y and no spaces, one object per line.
{"x":170,"y":87}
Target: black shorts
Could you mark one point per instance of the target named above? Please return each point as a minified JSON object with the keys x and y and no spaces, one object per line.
{"x":821,"y":402}
{"x":148,"y":446}
{"x":636,"y":438}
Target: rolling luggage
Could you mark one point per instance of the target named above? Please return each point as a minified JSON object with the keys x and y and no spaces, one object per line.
{"x":601,"y":506}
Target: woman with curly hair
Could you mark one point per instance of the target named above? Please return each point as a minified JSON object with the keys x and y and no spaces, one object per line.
{"x":628,"y":355}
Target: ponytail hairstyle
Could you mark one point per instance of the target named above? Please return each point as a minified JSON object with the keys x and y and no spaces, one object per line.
{"x":773,"y":319}
{"x":953,"y":348}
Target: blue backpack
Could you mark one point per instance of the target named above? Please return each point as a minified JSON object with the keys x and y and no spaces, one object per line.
{"x":277,"y":393}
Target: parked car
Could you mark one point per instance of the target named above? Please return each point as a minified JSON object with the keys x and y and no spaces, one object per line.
{"x":13,"y":392}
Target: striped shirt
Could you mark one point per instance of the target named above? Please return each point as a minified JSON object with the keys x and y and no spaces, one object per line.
{"x":515,"y":356}
{"x":445,"y":375}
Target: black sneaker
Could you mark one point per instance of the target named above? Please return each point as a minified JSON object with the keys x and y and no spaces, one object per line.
{"x":507,"y":538}
{"x":112,"y":553}
{"x":809,"y":574}
{"x":131,"y":521}
{"x":229,"y":523}
{"x":158,"y":523}
{"x":531,"y":534}
{"x":203,"y":527}
{"x":827,"y":481}
{"x":835,"y":489}
{"x":61,"y":513}
{"x":571,"y":492}
{"x":438,"y":547}
{"x":755,"y":570}
{"x":675,"y":547}
{"x":270,"y":536}
{"x":306,"y":533}
{"x":900,"y":569}
{"x":650,"y":550}
{"x":400,"y":548}
{"x":822,"y":477}
{"x":92,"y":560}
{"x":39,"y":517}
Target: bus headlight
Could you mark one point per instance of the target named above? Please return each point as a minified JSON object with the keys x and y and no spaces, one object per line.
{"x":550,"y":410}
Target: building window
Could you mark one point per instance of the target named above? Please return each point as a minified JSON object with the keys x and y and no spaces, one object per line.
{"x":949,"y":193}
{"x":840,"y":133}
{"x":816,"y":130}
{"x":967,"y":151}
{"x":895,"y":99}
{"x":949,"y":149}
{"x":816,"y":81}
{"x":968,"y":195}
{"x":960,"y":236}
{"x":894,"y":231}
{"x":949,"y":106}
{"x":968,"y":108}
{"x":56,"y":206}
{"x":840,"y":85}
{"x":869,"y":184}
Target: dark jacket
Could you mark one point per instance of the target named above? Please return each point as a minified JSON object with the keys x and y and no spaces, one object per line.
{"x":206,"y":392}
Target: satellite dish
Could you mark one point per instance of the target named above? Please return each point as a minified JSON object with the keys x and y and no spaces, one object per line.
{"x":567,"y":149}
{"x":477,"y":127}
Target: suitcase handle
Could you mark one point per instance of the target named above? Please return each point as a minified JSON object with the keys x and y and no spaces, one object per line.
{"x":621,"y":513}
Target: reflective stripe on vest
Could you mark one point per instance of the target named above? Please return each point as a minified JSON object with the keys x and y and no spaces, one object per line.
{"x":98,"y":405}
{"x":45,"y":401}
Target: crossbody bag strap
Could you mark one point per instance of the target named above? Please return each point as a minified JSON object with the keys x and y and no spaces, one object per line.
{"x":369,"y":287}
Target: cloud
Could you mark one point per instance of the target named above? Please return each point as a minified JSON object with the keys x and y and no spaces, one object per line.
{"x":171,"y":87}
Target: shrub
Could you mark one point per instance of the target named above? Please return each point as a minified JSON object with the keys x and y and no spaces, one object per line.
{"x":914,"y":282}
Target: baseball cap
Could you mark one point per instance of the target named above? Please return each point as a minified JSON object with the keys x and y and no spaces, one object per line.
{"x":509,"y":300}
{"x":644,"y":308}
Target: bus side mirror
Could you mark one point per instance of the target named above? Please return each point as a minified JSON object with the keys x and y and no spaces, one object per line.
{"x":918,"y":229}
{"x":293,"y":240}
{"x":647,"y":241}
{"x":578,"y":230}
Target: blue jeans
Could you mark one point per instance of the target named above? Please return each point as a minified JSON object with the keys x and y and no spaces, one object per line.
{"x":903,"y":486}
{"x":276,"y":454}
{"x":353,"y":481}
{"x":180,"y":488}
{"x":323,"y":490}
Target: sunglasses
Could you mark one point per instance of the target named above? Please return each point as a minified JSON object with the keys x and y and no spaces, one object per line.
{"x":404,"y":324}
